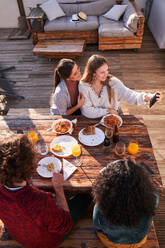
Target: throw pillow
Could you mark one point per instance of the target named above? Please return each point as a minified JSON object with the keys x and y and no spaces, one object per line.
{"x":52,"y":9}
{"x":115,"y":12}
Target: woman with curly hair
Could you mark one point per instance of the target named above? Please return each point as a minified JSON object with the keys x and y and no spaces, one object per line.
{"x":126,"y":201}
{"x":33,"y":217}
{"x":103,"y":92}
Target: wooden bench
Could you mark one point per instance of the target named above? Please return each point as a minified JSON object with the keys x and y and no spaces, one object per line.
{"x":81,"y":236}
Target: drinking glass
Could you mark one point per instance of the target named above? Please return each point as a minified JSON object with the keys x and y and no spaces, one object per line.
{"x":42,"y":147}
{"x":120,"y":149}
{"x":33,"y":136}
{"x":108,"y":133}
{"x":76,"y":152}
{"x":133,"y":148}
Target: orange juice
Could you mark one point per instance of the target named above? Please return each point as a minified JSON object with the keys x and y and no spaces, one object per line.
{"x":133,"y":148}
{"x":33,"y":136}
{"x":76,"y":150}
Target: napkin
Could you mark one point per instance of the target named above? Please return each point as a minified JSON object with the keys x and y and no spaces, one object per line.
{"x":68,"y":169}
{"x":74,"y":122}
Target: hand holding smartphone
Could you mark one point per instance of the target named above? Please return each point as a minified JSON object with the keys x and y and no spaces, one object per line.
{"x":154,"y":99}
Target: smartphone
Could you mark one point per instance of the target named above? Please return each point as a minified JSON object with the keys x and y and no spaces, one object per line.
{"x":19,"y":131}
{"x":153,"y":100}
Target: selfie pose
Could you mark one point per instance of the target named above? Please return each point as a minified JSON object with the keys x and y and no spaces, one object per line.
{"x":103,"y":91}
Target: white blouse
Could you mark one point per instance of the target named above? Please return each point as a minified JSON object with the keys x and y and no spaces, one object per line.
{"x":61,"y":100}
{"x":96,"y":106}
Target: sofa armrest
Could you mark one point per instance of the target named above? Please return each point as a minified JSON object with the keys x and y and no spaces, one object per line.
{"x":141,"y":19}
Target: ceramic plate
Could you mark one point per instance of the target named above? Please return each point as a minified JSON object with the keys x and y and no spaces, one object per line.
{"x":62,"y":120}
{"x":109,"y":164}
{"x":93,"y":139}
{"x":67,"y":142}
{"x":42,"y":168}
{"x":117,"y":116}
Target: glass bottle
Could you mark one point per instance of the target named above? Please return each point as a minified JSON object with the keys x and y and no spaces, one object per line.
{"x":116,"y":134}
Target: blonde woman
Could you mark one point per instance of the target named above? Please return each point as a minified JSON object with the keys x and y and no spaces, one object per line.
{"x":103,"y":91}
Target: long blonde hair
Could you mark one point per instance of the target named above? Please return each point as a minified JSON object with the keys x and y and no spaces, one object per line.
{"x":95,"y":62}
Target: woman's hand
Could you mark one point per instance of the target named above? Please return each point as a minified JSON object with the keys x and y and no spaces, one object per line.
{"x":80,"y":100}
{"x":112,"y":111}
{"x":147,"y":98}
{"x":57,"y":181}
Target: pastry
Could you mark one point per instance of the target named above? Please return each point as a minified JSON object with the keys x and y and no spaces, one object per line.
{"x":50,"y":167}
{"x":89,"y":130}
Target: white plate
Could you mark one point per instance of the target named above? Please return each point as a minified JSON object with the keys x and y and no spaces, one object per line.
{"x":120,"y":119}
{"x":42,"y":169}
{"x":55,"y":122}
{"x":93,"y":139}
{"x":67,"y":142}
{"x":109,"y":164}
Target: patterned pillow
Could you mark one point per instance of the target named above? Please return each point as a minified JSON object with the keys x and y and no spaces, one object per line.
{"x":130,"y":17}
{"x":52,"y":9}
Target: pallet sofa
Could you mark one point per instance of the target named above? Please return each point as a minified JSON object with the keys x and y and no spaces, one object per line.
{"x":126,"y":33}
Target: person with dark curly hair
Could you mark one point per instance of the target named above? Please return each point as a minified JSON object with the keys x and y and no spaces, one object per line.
{"x":33,"y":217}
{"x":126,"y":201}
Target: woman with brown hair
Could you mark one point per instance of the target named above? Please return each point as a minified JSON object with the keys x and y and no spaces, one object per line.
{"x":103,"y":92}
{"x":126,"y":201}
{"x":66,"y":99}
{"x":33,"y":217}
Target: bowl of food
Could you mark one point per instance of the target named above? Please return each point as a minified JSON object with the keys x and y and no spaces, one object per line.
{"x":112,"y":120}
{"x":62,"y":126}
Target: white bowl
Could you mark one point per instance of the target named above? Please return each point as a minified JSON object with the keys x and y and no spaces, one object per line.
{"x":57,"y":121}
{"x":117,"y":116}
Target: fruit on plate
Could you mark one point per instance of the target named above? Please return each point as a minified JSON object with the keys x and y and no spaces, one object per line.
{"x":57,"y":148}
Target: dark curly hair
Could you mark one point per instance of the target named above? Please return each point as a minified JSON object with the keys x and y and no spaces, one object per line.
{"x":124,"y":193}
{"x":17,"y":159}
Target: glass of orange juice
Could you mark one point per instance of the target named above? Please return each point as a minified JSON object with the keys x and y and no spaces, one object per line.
{"x":133,"y":148}
{"x":33,"y":136}
{"x":76,"y":152}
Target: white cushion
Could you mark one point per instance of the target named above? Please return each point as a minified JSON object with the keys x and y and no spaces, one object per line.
{"x":52,"y":9}
{"x":115,"y":12}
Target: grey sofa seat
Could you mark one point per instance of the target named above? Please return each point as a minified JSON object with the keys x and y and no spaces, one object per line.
{"x":66,"y":24}
{"x":109,"y":28}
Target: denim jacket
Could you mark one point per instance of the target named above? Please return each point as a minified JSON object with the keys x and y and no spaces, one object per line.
{"x":122,"y":234}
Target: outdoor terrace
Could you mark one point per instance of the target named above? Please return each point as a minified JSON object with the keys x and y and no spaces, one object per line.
{"x":140,"y":70}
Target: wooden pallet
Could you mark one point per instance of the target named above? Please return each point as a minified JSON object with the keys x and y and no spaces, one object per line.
{"x":60,"y":48}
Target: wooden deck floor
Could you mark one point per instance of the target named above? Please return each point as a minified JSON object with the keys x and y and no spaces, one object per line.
{"x":141,"y":70}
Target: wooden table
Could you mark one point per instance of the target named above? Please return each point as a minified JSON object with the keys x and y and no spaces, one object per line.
{"x":35,"y":20}
{"x":60,"y":48}
{"x":93,"y":158}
